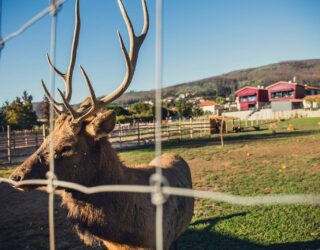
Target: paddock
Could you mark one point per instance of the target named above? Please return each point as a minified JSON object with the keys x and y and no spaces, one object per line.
{"x":249,"y":164}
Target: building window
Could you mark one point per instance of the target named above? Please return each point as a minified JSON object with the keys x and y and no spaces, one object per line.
{"x":312,"y":92}
{"x":282,"y":94}
{"x":248,"y":98}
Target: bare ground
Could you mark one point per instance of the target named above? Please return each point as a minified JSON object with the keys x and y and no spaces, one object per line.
{"x":24,"y":222}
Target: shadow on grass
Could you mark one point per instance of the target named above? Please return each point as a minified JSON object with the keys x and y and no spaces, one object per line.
{"x":207,"y":238}
{"x":234,"y":138}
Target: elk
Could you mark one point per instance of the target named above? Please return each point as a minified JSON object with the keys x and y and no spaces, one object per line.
{"x":84,"y":155}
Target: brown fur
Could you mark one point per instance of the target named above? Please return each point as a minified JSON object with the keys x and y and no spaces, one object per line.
{"x":119,"y":220}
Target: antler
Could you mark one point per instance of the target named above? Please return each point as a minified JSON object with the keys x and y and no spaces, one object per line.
{"x":130,"y":60}
{"x":67,"y":77}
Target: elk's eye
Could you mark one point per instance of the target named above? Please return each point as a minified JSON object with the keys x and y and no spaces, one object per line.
{"x":66,"y":149}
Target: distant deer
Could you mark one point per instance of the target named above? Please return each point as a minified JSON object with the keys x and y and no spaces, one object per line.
{"x":83,"y":154}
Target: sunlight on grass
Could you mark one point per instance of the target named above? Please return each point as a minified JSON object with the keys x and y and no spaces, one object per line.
{"x":255,"y":163}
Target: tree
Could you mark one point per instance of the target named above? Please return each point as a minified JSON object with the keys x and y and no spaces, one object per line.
{"x":2,"y":119}
{"x":118,"y":110}
{"x":196,"y":111}
{"x":220,"y":100}
{"x":45,"y":109}
{"x":20,"y":114}
{"x":184,"y":108}
{"x":141,"y":108}
{"x":164,"y":112}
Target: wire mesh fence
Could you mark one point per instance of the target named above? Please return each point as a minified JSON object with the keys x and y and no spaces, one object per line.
{"x":159,"y":187}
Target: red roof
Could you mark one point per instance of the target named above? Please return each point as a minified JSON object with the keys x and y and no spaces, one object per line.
{"x":283,"y":82}
{"x":246,"y":87}
{"x":208,"y":103}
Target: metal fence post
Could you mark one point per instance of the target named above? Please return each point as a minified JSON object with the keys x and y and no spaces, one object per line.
{"x":9,"y":143}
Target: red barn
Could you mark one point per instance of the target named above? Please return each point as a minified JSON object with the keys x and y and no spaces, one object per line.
{"x":251,"y":98}
{"x":286,"y":91}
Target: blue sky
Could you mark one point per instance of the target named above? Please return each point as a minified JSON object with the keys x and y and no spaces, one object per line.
{"x":202,"y":38}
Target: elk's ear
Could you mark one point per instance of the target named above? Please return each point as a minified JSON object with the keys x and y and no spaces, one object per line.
{"x":101,"y":125}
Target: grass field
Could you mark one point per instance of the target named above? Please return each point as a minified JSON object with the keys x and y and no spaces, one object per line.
{"x":251,"y":163}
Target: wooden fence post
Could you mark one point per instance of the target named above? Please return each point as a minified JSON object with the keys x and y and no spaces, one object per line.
{"x":180,"y":134}
{"x":226,"y":126}
{"x":43,"y":132}
{"x":191,"y":128}
{"x":36,"y":138}
{"x":154,"y":131}
{"x":168,"y":131}
{"x":14,"y":139}
{"x":9,"y":143}
{"x":25,"y":137}
{"x":221,"y":132}
{"x":120,"y":134}
{"x":138,"y":133}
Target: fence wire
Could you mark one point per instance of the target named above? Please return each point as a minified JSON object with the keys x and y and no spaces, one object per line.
{"x":31,"y":21}
{"x":158,"y":187}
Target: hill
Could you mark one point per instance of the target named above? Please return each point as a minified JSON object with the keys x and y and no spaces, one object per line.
{"x":306,"y":72}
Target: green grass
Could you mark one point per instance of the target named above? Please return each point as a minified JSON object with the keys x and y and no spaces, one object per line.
{"x":302,"y":123}
{"x":251,"y":163}
{"x":5,"y":171}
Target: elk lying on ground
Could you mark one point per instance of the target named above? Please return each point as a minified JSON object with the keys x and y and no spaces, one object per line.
{"x":83,"y":154}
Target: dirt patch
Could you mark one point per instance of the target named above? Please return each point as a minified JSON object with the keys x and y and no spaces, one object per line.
{"x":24,"y":222}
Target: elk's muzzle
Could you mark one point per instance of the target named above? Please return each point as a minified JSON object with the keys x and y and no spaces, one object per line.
{"x":32,"y":168}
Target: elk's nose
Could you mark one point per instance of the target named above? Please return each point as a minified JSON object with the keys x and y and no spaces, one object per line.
{"x":16,"y":177}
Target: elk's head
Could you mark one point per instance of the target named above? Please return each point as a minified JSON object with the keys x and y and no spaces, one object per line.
{"x":73,"y":142}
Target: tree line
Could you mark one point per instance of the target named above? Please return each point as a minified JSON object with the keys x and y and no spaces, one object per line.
{"x":20,"y":114}
{"x":144,"y":111}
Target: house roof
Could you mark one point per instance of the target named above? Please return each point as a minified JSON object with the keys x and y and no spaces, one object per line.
{"x":311,"y":87}
{"x":246,"y":87}
{"x":283,"y":82}
{"x":207,"y":103}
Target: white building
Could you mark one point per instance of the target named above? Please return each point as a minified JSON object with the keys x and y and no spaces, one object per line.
{"x":210,"y":106}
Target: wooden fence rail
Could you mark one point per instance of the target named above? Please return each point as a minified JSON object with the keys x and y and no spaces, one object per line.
{"x":16,"y":145}
{"x":144,"y":133}
{"x":19,"y":143}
